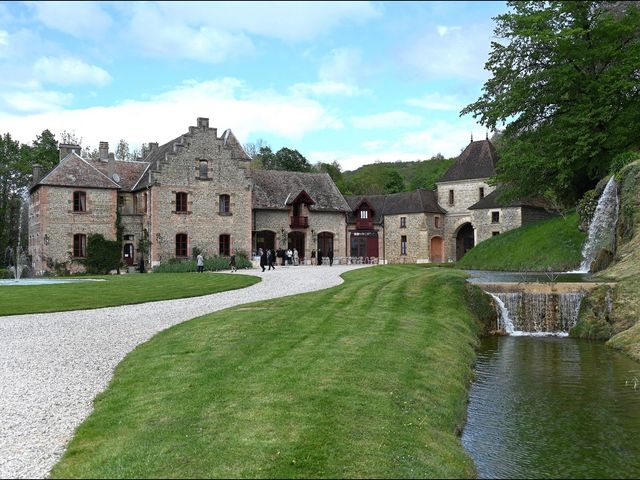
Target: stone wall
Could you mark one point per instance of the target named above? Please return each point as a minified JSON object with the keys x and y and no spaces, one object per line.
{"x":508,"y":219}
{"x":203,"y":223}
{"x":415,"y":232}
{"x":52,"y":215}
{"x":465,"y":192}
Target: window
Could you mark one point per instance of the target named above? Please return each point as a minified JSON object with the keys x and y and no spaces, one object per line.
{"x":127,"y":238}
{"x":181,"y":245}
{"x":481,"y":193}
{"x":79,"y":202}
{"x":451,"y":197}
{"x":225,"y":203}
{"x":436,"y":222}
{"x":403,"y":245}
{"x":80,"y":246}
{"x":364,"y":214}
{"x":403,"y":222}
{"x":493,"y":234}
{"x":204,"y":169}
{"x":224,"y":245}
{"x":181,"y":202}
{"x":495,"y":217}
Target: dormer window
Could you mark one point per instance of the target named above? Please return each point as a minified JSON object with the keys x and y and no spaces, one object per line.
{"x":364,"y":214}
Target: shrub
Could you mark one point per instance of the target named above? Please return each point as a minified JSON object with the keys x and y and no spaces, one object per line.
{"x":623,"y":159}
{"x":213,"y":264}
{"x":587,"y":207}
{"x":102,"y":255}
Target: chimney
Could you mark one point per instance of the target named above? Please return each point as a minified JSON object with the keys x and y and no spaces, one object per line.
{"x":203,"y":122}
{"x":153,"y":146}
{"x":37,"y":173}
{"x":111,"y":167}
{"x":104,"y":151}
{"x":67,"y":148}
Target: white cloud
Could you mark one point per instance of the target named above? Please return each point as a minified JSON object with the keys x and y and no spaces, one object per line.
{"x":228,"y":103}
{"x":36,"y":101}
{"x":341,"y":65}
{"x":373,"y":145}
{"x":69,"y":71}
{"x":455,"y":54}
{"x":394,"y":119}
{"x":444,"y":30}
{"x":436,"y":101}
{"x":175,"y":39}
{"x":328,"y":88}
{"x":78,"y":19}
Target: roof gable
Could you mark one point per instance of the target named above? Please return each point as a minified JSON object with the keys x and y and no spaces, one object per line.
{"x":302,"y":197}
{"x":74,"y":171}
{"x":478,"y":160}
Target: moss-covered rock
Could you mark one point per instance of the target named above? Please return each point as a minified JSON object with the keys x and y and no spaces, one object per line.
{"x":594,"y":320}
{"x":481,"y":305}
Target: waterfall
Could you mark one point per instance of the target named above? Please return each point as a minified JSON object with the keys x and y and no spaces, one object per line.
{"x":504,"y":321}
{"x":602,"y":227}
{"x":537,"y":313}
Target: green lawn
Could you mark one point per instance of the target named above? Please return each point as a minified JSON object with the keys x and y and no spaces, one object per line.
{"x":364,"y":380}
{"x":554,"y":244}
{"x":116,"y":290}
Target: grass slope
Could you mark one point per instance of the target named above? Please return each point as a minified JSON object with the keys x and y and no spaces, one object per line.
{"x":116,"y":290}
{"x":365,"y":380}
{"x":554,"y":244}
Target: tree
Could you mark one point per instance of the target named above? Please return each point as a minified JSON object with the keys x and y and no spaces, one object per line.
{"x":565,"y":82}
{"x":291,"y":161}
{"x":122,"y":150}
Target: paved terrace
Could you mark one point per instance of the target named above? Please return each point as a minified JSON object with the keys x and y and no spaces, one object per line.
{"x":53,"y":365}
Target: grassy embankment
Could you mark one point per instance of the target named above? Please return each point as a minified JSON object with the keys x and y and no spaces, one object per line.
{"x":625,"y":327}
{"x":367,"y":379}
{"x":116,"y":290}
{"x":554,"y":244}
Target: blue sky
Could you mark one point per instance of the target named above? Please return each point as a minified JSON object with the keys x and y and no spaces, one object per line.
{"x":353,"y":82}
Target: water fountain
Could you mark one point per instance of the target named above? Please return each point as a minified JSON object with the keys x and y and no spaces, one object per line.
{"x":602,"y":228}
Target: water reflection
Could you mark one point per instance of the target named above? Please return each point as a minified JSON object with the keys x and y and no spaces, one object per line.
{"x":549,"y":408}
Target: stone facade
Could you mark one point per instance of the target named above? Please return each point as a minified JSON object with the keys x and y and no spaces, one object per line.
{"x":198,"y":192}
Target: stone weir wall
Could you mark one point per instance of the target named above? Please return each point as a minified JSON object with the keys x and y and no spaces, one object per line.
{"x":539,"y":308}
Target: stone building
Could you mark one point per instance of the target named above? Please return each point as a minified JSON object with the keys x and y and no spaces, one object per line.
{"x":198,"y":192}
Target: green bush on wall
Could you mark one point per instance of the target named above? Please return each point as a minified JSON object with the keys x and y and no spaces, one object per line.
{"x":102,"y":255}
{"x":214,"y":264}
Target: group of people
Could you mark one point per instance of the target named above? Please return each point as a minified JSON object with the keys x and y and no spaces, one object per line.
{"x":268,"y":257}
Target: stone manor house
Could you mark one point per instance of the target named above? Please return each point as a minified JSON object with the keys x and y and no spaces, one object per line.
{"x":198,"y":191}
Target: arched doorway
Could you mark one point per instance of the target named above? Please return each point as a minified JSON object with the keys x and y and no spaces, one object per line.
{"x":325,"y":242}
{"x":437,"y":250}
{"x":265,"y":239}
{"x":464,"y":240}
{"x":128,"y":254}
{"x":296,"y":240}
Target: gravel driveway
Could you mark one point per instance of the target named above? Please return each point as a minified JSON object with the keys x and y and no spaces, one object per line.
{"x":53,"y":365}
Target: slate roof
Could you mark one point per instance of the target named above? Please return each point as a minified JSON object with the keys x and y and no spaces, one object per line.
{"x":418,"y":201}
{"x":376,"y":202}
{"x":273,"y":188}
{"x":478,"y":160}
{"x":74,"y":171}
{"x":128,"y":171}
{"x":491,"y":201}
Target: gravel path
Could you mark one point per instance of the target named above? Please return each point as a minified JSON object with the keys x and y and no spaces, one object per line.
{"x":53,"y":365}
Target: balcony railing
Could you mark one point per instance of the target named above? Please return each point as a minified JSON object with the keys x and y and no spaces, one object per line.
{"x":299,"y":222}
{"x":364,"y":223}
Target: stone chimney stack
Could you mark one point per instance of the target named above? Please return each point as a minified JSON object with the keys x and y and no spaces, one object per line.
{"x":111,"y":167}
{"x":203,"y":122}
{"x":37,"y":173}
{"x":153,"y":146}
{"x":67,"y":148}
{"x":104,"y":151}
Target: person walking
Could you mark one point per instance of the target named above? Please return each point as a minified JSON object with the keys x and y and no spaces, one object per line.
{"x":263,"y":259}
{"x":313,"y":257}
{"x":200,"y":263}
{"x":319,"y":257}
{"x":232,"y":263}
{"x":330,"y":255}
{"x":296,"y":258}
{"x":271,"y":259}
{"x":289,"y":256}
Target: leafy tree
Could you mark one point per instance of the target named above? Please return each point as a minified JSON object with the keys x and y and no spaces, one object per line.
{"x":393,"y":182}
{"x":122,"y":150}
{"x":335,"y":172}
{"x":291,"y":161}
{"x":102,"y":255}
{"x":264,"y":159}
{"x":564,"y":82}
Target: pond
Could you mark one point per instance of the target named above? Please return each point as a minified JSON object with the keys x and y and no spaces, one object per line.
{"x":553,"y":408}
